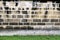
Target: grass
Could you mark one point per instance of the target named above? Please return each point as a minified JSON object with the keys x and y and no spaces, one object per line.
{"x":41,"y":37}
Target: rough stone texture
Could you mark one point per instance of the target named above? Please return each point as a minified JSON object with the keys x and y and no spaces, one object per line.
{"x":22,"y":14}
